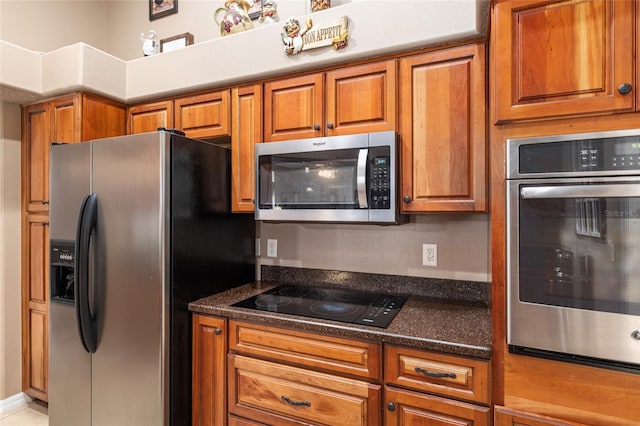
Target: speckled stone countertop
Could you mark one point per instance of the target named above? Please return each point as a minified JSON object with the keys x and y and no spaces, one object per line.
{"x":451,"y":325}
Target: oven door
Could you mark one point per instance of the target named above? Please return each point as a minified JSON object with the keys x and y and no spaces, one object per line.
{"x":573,"y":266}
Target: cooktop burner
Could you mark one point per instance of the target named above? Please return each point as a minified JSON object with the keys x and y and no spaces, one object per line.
{"x":337,"y":304}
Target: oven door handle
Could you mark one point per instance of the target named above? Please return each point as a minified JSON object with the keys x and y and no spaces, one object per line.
{"x":361,"y":178}
{"x":581,"y":191}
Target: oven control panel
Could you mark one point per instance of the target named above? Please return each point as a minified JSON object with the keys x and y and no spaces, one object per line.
{"x":548,"y":155}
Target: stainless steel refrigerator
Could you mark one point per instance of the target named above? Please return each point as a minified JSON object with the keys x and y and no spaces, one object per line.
{"x":140,"y":226}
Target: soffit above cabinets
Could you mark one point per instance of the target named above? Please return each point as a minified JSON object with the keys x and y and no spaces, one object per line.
{"x":375,"y":29}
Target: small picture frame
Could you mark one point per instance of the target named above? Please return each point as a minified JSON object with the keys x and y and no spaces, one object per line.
{"x":317,"y":5}
{"x":162,"y":8}
{"x":176,"y":42}
{"x":255,"y":10}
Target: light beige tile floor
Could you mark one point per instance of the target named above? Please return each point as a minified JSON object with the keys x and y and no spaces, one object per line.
{"x":34,"y":414}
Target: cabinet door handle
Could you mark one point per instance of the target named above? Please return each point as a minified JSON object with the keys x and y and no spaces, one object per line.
{"x":391,"y":406}
{"x":295,"y":403}
{"x":329,"y":125}
{"x":625,"y":88}
{"x":45,"y":202}
{"x":316,"y":127}
{"x":406,"y":199}
{"x":436,"y":375}
{"x":217,"y":331}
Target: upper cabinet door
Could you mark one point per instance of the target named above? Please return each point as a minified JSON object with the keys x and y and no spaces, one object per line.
{"x":66,"y":119}
{"x":361,"y":99}
{"x":204,"y":116}
{"x":443,"y":130}
{"x":293,"y":108}
{"x":36,"y":130}
{"x":146,"y":118}
{"x":562,"y":58}
{"x":246,"y":131}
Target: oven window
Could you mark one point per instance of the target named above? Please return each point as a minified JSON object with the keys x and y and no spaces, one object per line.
{"x":311,"y":180}
{"x":580,"y":253}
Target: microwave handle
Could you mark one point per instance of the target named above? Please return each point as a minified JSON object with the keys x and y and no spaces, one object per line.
{"x":581,"y":191}
{"x":361,"y":178}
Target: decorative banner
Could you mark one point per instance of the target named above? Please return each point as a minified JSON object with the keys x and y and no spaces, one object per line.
{"x":296,"y":39}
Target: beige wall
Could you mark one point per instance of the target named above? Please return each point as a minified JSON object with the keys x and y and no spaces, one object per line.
{"x":10,"y":348}
{"x":113,"y":26}
{"x":462,"y":239}
{"x":46,"y":25}
{"x":127,"y":19}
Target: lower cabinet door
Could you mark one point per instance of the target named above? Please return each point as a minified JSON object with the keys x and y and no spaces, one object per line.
{"x":403,"y":407}
{"x":277,"y":394}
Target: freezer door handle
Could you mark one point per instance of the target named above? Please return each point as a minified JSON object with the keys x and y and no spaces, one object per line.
{"x":87,"y":325}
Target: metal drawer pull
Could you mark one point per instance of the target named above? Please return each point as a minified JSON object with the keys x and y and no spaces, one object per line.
{"x":437,"y":375}
{"x":295,"y":403}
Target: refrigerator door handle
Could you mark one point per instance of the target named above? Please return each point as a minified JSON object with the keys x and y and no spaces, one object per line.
{"x":87,"y":325}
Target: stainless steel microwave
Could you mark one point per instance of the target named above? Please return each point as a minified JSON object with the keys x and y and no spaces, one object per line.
{"x":350,"y":178}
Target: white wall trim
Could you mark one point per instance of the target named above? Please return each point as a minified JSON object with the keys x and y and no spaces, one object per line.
{"x":14,"y":403}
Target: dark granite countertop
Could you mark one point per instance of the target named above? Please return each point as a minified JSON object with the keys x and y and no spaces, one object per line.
{"x":450,"y":326}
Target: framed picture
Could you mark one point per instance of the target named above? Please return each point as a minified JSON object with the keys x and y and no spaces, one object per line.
{"x":256,"y":9}
{"x":176,"y":42}
{"x":161,"y":8}
{"x":317,"y":5}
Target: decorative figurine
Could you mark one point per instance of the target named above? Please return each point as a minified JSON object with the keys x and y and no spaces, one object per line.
{"x":269,"y":12}
{"x":149,"y":43}
{"x":317,"y":5}
{"x":233,"y":17}
{"x":292,"y":37}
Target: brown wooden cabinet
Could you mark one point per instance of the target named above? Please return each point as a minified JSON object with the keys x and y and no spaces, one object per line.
{"x":149,"y":117}
{"x":35,"y":304}
{"x":435,"y":382}
{"x":278,"y":394}
{"x":280,"y":376}
{"x":204,"y":116}
{"x":246,"y":131}
{"x":442,"y":111}
{"x":505,"y":417}
{"x":560,"y":58}
{"x":331,"y":354}
{"x":71,"y":118}
{"x":209,"y":370}
{"x":442,"y":374}
{"x":348,"y":100}
{"x":405,"y":407}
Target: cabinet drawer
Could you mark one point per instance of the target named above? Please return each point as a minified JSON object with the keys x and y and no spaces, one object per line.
{"x":277,"y":394}
{"x":447,"y":375}
{"x":403,"y":407}
{"x":312,"y":350}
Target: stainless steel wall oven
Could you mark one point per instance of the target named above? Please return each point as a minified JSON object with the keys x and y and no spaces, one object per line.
{"x":573,"y":248}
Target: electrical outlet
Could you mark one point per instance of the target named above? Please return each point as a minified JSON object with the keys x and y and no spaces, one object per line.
{"x":430,"y":255}
{"x":272,"y":248}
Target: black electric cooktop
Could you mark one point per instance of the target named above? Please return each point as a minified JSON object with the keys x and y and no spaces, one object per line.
{"x":337,"y":304}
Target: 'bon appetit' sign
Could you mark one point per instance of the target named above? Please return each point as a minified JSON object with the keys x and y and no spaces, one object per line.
{"x":297,"y":38}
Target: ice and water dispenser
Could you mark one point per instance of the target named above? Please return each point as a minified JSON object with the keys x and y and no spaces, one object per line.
{"x":62,"y":270}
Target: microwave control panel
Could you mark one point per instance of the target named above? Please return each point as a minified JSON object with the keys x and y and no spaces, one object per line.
{"x":380,"y":183}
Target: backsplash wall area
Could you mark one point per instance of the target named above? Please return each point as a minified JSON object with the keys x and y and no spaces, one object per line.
{"x":462,"y":252}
